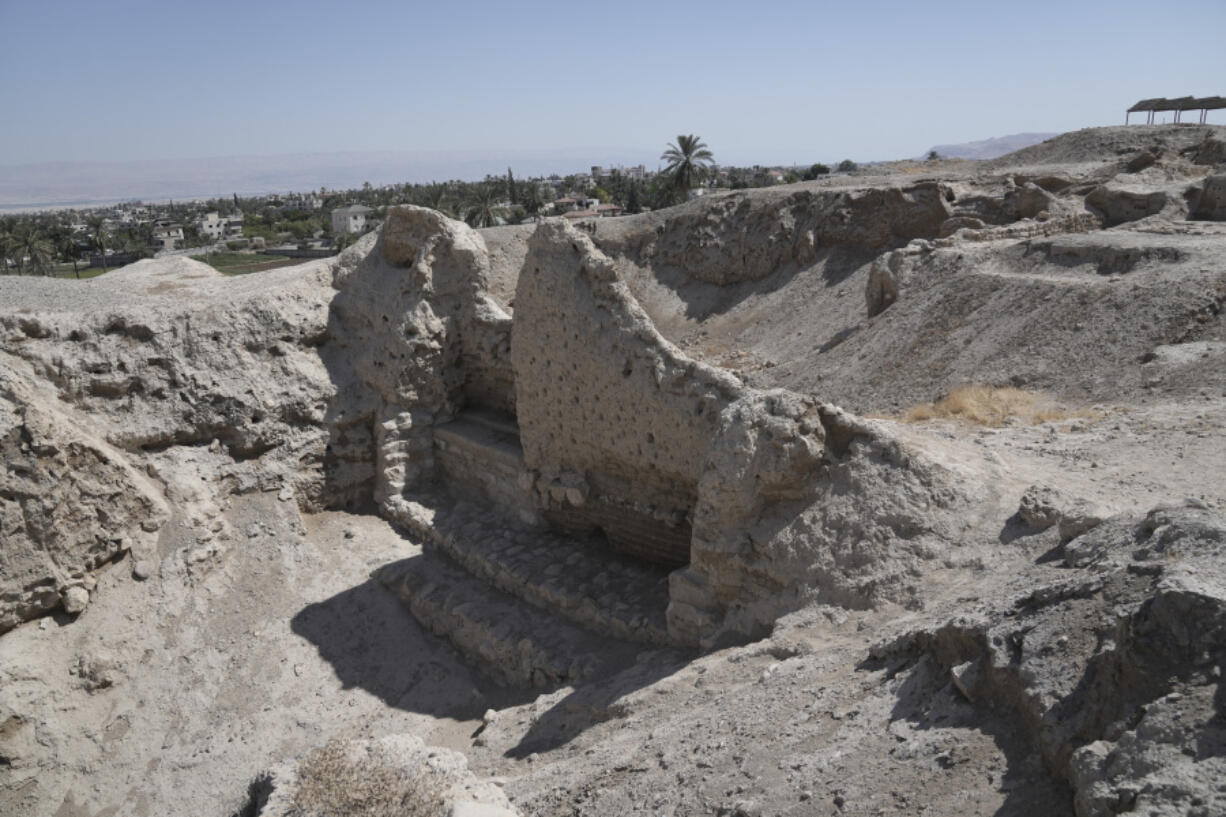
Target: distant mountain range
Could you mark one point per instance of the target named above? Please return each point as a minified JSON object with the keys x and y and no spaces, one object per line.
{"x":992,"y":148}
{"x":91,"y":184}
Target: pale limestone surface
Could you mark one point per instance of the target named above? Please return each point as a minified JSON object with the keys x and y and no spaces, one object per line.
{"x":942,"y":647}
{"x":69,"y":502}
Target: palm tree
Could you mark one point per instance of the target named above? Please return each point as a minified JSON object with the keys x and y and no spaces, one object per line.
{"x":435,"y":195}
{"x":482,"y":209}
{"x":532,"y":201}
{"x":97,"y":234}
{"x":65,"y":242}
{"x":41,"y":254}
{"x":32,"y":249}
{"x":689,"y":161}
{"x":7,"y":250}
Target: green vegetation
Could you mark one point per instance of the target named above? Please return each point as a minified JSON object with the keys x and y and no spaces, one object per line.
{"x":815,"y":171}
{"x":689,"y":162}
{"x":482,"y":208}
{"x":63,"y":243}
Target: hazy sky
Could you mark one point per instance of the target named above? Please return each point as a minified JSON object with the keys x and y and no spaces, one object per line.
{"x":761,"y":82}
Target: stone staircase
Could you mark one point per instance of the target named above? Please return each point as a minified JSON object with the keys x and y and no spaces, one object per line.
{"x":513,"y":642}
{"x":527,"y":605}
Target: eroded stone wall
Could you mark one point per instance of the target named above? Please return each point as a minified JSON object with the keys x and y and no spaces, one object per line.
{"x":614,"y":420}
{"x":774,"y":500}
{"x":802,"y":503}
{"x":418,"y":334}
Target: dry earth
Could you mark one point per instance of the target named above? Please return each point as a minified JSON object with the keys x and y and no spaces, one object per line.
{"x":573,"y":519}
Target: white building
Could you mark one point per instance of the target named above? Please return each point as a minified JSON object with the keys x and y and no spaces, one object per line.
{"x":166,"y":235}
{"x":638,"y":172}
{"x":351,"y":219}
{"x":216,"y":227}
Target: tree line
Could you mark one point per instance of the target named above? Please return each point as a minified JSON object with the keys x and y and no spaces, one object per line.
{"x":32,"y":244}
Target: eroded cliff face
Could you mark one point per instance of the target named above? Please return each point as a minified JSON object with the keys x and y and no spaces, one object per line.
{"x":69,"y":503}
{"x":104,"y":392}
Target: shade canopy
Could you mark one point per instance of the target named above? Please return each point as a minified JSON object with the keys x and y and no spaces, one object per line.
{"x":1183,"y":103}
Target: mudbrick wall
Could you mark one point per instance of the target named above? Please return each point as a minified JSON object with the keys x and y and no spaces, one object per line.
{"x":774,"y":500}
{"x":614,"y":420}
{"x":420,"y":337}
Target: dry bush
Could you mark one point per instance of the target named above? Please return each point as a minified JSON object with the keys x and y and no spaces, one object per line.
{"x":332,"y":782}
{"x":993,"y":407}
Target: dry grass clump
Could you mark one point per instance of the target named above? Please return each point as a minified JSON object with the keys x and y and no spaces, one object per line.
{"x":993,"y":407}
{"x":333,"y":782}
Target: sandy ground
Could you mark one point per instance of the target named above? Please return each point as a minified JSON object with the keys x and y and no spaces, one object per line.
{"x":170,"y":695}
{"x":167,"y":696}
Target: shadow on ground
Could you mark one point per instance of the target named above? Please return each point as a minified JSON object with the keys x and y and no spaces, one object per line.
{"x":703,"y":300}
{"x":373,"y":643}
{"x":596,"y":701}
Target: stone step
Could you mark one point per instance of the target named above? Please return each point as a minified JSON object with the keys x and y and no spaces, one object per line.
{"x":466,"y":431}
{"x":577,"y":578}
{"x":480,"y":459}
{"x":513,"y":642}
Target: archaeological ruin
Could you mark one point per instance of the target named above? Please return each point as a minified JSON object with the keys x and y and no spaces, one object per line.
{"x":680,"y":504}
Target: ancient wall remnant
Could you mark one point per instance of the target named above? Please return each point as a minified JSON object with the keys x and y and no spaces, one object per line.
{"x":802,"y":502}
{"x":774,"y":500}
{"x":420,"y":336}
{"x":614,"y":420}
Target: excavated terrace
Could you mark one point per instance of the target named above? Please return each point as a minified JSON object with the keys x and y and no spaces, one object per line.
{"x":614,"y":452}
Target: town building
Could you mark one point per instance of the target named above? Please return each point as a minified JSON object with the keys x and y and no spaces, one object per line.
{"x":351,"y":219}
{"x":217,"y":227}
{"x":167,"y":235}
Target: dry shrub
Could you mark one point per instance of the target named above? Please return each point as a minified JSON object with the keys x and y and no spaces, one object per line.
{"x":993,"y":407}
{"x":334,"y":781}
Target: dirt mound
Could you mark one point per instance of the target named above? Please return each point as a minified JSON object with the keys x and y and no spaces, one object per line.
{"x":1102,"y":145}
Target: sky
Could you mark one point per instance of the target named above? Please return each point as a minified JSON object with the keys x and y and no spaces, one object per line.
{"x":767,"y":82}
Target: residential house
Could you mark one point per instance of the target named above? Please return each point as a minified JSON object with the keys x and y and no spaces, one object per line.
{"x":167,"y":235}
{"x":299,"y":201}
{"x":575,"y":201}
{"x":217,"y":227}
{"x":351,"y":219}
{"x":638,"y":172}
